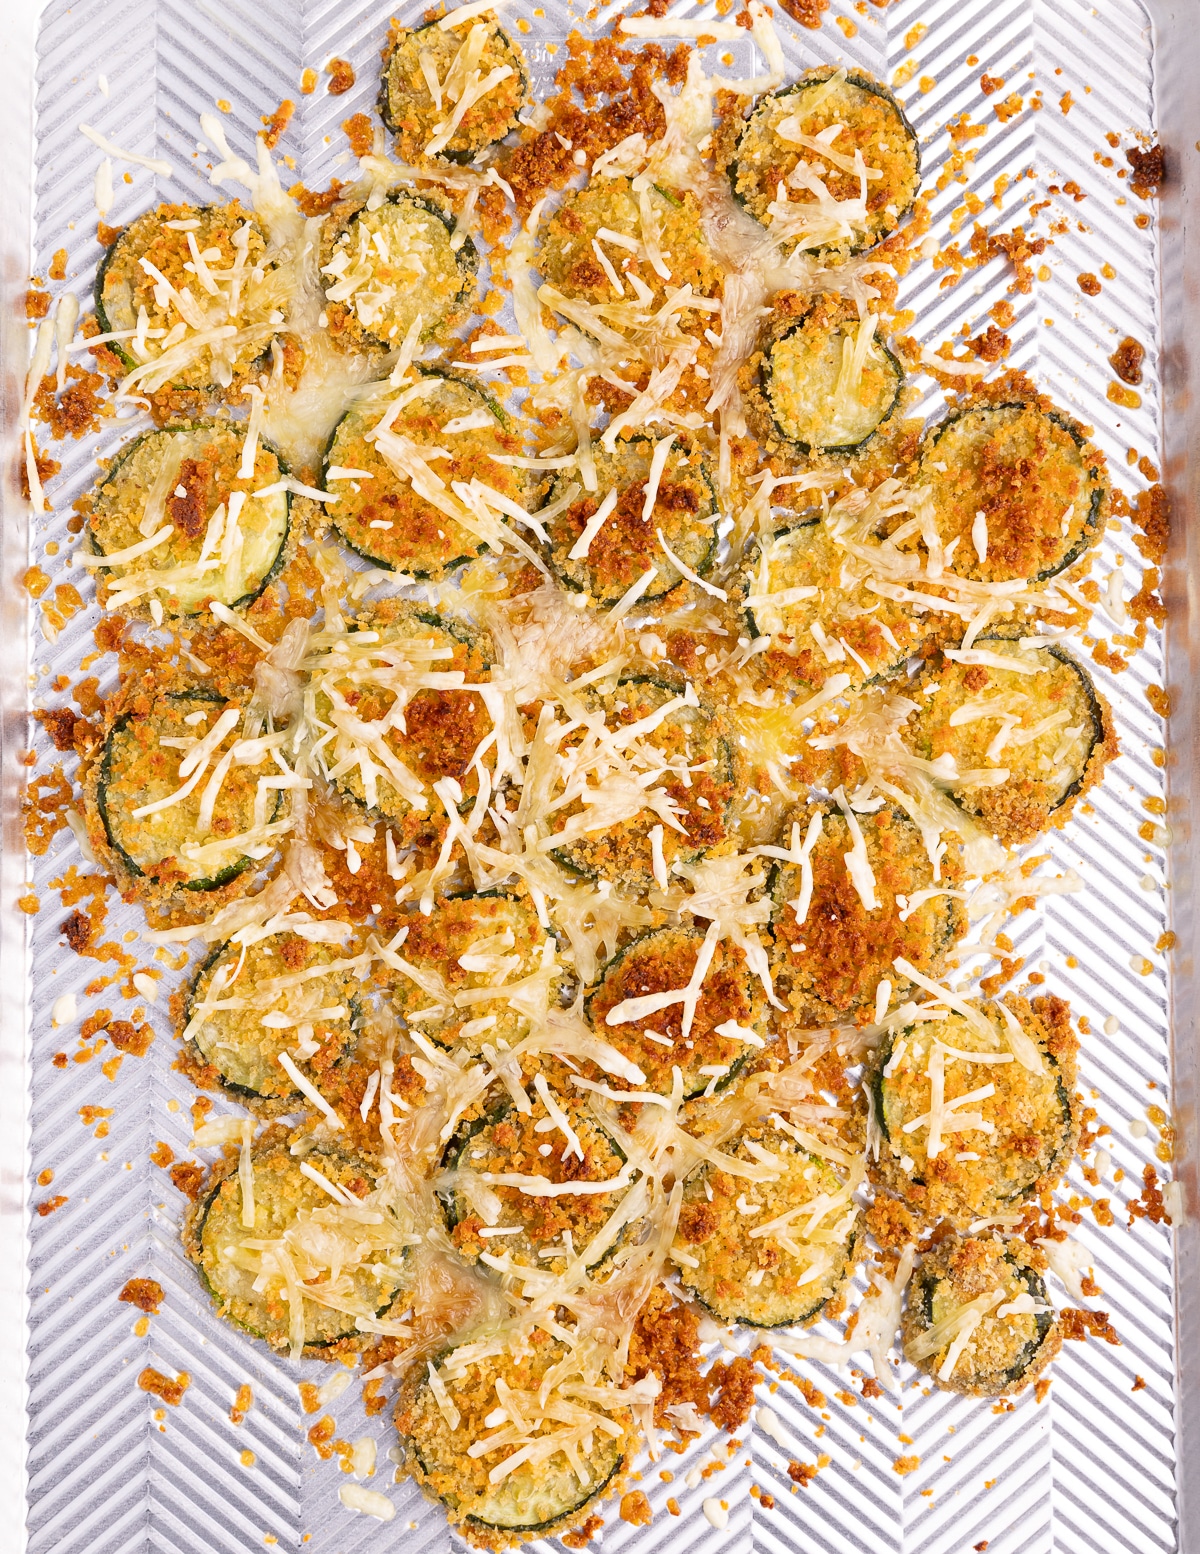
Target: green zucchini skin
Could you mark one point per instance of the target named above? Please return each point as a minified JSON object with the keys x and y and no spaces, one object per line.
{"x":106,"y":324}
{"x":533,"y":1501}
{"x":114,"y":253}
{"x":457,"y":1210}
{"x":533,"y":1529}
{"x":1024,"y":806}
{"x":239,"y":1310}
{"x":867,"y":240}
{"x":103,"y":790}
{"x":798,"y":1316}
{"x":1034,"y":1116}
{"x":113,"y":476}
{"x":263,"y":1101}
{"x":616,"y":470}
{"x":776,"y":383}
{"x":659,"y":953}
{"x":1093,"y":521}
{"x":438,"y":568}
{"x":548,"y":1525}
{"x":623,"y":853}
{"x":447,"y":309}
{"x":795,"y":656}
{"x":938,"y":1272}
{"x":714,"y":1234}
{"x":464,"y":155}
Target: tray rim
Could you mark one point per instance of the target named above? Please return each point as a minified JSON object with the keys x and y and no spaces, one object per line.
{"x":1175,"y":59}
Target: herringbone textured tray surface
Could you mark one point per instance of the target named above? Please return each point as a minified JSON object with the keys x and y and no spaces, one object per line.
{"x":1090,"y":1470}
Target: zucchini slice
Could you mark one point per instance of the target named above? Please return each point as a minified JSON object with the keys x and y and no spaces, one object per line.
{"x":955,"y":1299}
{"x":550,"y":1231}
{"x":541,"y":1497}
{"x":199,"y":558}
{"x":829,"y":965}
{"x":603,"y":846}
{"x":387,"y":696}
{"x":808,"y":596}
{"x":166,"y":850}
{"x":826,"y":381}
{"x":627,"y":544}
{"x":246,"y":1007}
{"x":383,"y":518}
{"x":1026,"y":741}
{"x":1031,"y":473}
{"x":509,"y":965}
{"x":663,"y":961}
{"x":767,"y":1278}
{"x":312,"y":1230}
{"x":386,"y":268}
{"x":456,"y":57}
{"x":190,"y":248}
{"x":1014,"y":1141}
{"x":786,"y":140}
{"x":568,"y":259}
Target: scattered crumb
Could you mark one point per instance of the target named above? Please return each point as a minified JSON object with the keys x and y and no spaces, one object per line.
{"x":1078,"y":1325}
{"x":341,"y":76}
{"x":145,"y":1294}
{"x":163,"y":1387}
{"x":635,"y":1509}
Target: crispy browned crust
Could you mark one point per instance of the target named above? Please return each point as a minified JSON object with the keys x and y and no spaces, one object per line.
{"x":1047,"y":1020}
{"x":848,"y":949}
{"x":1016,"y":813}
{"x":479,"y":1534}
{"x":827,"y":311}
{"x":970,"y":1261}
{"x":274,"y":1135}
{"x":304,"y":517}
{"x":162,"y":894}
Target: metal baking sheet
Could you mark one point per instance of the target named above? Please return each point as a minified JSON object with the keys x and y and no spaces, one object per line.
{"x":84,"y":1464}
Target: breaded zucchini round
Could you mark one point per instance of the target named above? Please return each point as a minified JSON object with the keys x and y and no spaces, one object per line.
{"x":638,"y":1006}
{"x":805,"y":593}
{"x":977,"y":1318}
{"x":181,"y":846}
{"x":1026,"y":741}
{"x":627,"y":544}
{"x":246,"y":1007}
{"x":550,"y":1230}
{"x":1033,"y":476}
{"x":829,"y":965}
{"x":184,"y":479}
{"x":427,"y":73}
{"x":813,"y":132}
{"x":397,"y":726}
{"x":463,"y":953}
{"x":768,"y":1253}
{"x":383,"y":517}
{"x":1010,"y":1123}
{"x":387,"y":267}
{"x":607,"y":215}
{"x":691,"y":748}
{"x":542,"y":1495}
{"x":824,"y":381}
{"x":343,"y":1268}
{"x":218,"y":254}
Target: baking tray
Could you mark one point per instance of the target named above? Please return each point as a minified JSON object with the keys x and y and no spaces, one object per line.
{"x":84,"y":1465}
